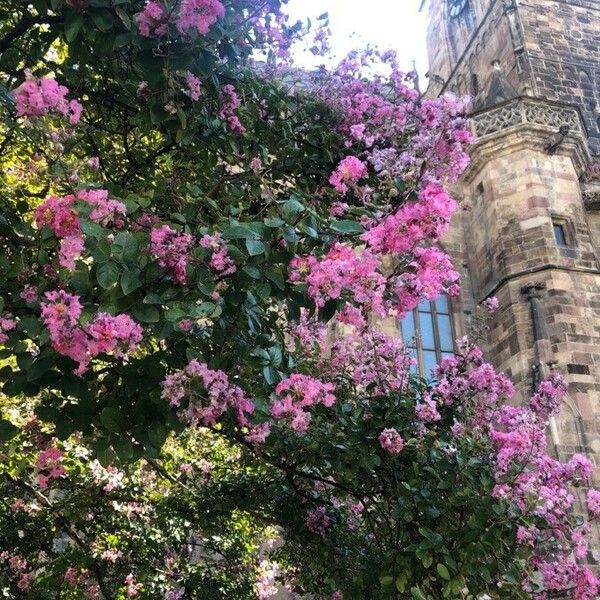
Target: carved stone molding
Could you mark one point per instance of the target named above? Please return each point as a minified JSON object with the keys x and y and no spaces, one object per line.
{"x":525,"y":111}
{"x":526,"y":122}
{"x":591,"y":196}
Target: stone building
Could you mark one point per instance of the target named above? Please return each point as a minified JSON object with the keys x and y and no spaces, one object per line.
{"x":532,"y":234}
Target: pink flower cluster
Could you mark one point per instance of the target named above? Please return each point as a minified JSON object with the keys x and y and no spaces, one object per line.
{"x":6,"y":324}
{"x":230,"y":102}
{"x":210,"y":395}
{"x":349,"y":171}
{"x":59,"y":214}
{"x":266,"y":583}
{"x":194,"y":86}
{"x":153,"y":20}
{"x":375,"y":363}
{"x":104,"y":334}
{"x":391,"y":440}
{"x":427,"y":219}
{"x":297,"y":393}
{"x":220,"y":260}
{"x":430,"y":274}
{"x":171,"y":248}
{"x":317,"y":521}
{"x":593,"y":503}
{"x":546,"y":400}
{"x":566,"y":576}
{"x":199,"y":15}
{"x":36,"y":97}
{"x":427,"y":411}
{"x":49,"y":466}
{"x":342,"y":270}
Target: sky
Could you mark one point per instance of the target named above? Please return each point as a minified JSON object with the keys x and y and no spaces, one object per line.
{"x":388,"y":24}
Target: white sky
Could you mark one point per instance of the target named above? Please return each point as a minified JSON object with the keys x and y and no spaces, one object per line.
{"x":387,"y":24}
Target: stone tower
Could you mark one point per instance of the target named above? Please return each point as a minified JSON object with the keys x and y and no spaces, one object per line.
{"x":532,"y":234}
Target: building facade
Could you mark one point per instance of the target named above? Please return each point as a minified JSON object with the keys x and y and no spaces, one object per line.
{"x":531,"y":235}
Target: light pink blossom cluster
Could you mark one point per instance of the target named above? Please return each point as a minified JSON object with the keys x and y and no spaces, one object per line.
{"x":194,"y":86}
{"x":348,"y":172}
{"x":49,"y":466}
{"x":36,"y":97}
{"x":341,"y":270}
{"x":200,"y":15}
{"x":171,"y":248}
{"x":59,"y":214}
{"x":220,"y":260}
{"x":372,"y":361}
{"x":19,"y":566}
{"x":593,"y":503}
{"x":104,"y":334}
{"x":266,"y":583}
{"x":153,"y":20}
{"x":230,"y":102}
{"x":427,"y":219}
{"x":391,"y":440}
{"x":317,"y":521}
{"x":491,"y":304}
{"x":297,"y":393}
{"x":210,"y":395}
{"x":132,"y":589}
{"x":428,"y":275}
{"x":6,"y":324}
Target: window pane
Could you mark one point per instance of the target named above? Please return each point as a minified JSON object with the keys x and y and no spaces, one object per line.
{"x":429,"y":360}
{"x":426,"y":329}
{"x":445,"y":330}
{"x":559,"y":234}
{"x":425,"y":306}
{"x":445,"y":354}
{"x":441,"y":304}
{"x":414,"y":368}
{"x":408,"y":329}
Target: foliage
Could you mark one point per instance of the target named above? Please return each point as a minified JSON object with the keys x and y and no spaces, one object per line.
{"x":181,"y":212}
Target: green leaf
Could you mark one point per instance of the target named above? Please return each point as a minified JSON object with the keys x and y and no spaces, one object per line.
{"x":130,"y":281}
{"x":443,"y":571}
{"x":417,"y":594}
{"x":113,"y":419}
{"x":146,"y":313}
{"x":386,"y":580}
{"x":73,"y":25}
{"x":255,"y":247}
{"x":123,"y":448}
{"x":107,"y":275}
{"x":90,"y":228}
{"x":346,"y":227}
{"x":292,"y":207}
{"x":7,"y":430}
{"x":157,"y":434}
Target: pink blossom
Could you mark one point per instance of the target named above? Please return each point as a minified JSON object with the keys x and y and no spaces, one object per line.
{"x":230,"y":102}
{"x":30,"y":294}
{"x":491,"y":304}
{"x":132,"y":589}
{"x":199,"y":15}
{"x":256,"y":164}
{"x":194,"y":86}
{"x":593,"y":503}
{"x":427,"y":411}
{"x":349,"y":171}
{"x":317,"y":521}
{"x":152,"y":20}
{"x":220,"y":260}
{"x":427,"y":219}
{"x":296,"y":393}
{"x":391,"y":440}
{"x":171,"y":250}
{"x":71,"y":248}
{"x":217,"y":396}
{"x":49,"y":465}
{"x":6,"y":324}
{"x":36,"y":97}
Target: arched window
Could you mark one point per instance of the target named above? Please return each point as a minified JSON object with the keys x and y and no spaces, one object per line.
{"x":428,"y":332}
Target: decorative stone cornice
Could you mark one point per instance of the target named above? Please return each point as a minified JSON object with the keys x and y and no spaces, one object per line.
{"x":590,"y":193}
{"x":528,"y":122}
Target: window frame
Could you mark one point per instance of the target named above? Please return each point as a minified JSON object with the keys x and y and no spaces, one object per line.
{"x":567,"y":231}
{"x":417,"y":344}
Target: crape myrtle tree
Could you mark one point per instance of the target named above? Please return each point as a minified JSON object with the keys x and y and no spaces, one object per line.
{"x":197,"y":243}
